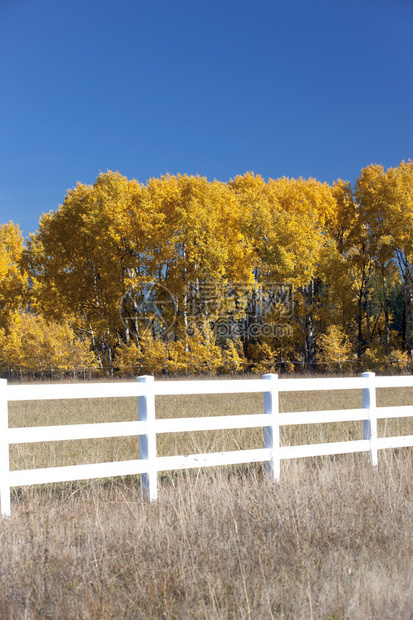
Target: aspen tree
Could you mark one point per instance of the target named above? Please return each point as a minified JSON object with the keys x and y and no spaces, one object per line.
{"x":385,"y":200}
{"x":13,"y":279}
{"x":32,"y":344}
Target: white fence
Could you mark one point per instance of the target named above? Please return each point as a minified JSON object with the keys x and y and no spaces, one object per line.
{"x":148,"y":427}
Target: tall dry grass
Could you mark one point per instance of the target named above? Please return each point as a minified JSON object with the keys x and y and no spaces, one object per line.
{"x":331,"y":540}
{"x":117,"y":409}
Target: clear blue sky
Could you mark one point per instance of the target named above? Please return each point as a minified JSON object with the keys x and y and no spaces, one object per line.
{"x":318,"y":88}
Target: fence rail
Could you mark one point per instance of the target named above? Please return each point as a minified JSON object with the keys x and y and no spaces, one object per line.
{"x":147,"y":427}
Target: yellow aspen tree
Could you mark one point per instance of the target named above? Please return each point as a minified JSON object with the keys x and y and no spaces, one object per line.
{"x":197,"y":236}
{"x":196,"y":245}
{"x":264,"y":358}
{"x":233,"y":358}
{"x":199,"y":353}
{"x":303,"y":210}
{"x":251,"y":192}
{"x":127,"y":358}
{"x":177,"y":351}
{"x":288,"y":221}
{"x":13,"y":279}
{"x":32,"y":344}
{"x":349,"y":269}
{"x":385,"y":218}
{"x":400,"y":180}
{"x":78,"y":259}
{"x":153,"y":354}
{"x":335,"y":349}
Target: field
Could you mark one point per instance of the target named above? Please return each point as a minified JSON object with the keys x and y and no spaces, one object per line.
{"x":331,"y":540}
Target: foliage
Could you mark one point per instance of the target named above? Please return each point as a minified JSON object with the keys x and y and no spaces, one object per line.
{"x":32,"y":344}
{"x":335,"y":348}
{"x":13,"y":280}
{"x":220,"y":251}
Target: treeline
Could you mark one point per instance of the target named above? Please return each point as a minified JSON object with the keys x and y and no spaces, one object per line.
{"x":185,"y":275}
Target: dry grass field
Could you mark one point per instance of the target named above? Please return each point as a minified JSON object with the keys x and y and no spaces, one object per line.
{"x":331,"y":540}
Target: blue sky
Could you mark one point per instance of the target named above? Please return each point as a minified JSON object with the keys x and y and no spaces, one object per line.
{"x":318,"y":88}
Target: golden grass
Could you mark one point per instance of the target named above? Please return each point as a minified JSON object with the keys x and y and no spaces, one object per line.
{"x":53,"y":454}
{"x":331,"y":540}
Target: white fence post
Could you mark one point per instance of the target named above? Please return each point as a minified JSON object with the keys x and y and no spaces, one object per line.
{"x":272,"y":432}
{"x":4,"y":451}
{"x":370,"y":424}
{"x":147,"y":442}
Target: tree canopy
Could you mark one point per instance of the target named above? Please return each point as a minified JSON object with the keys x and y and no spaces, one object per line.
{"x":244,"y":275}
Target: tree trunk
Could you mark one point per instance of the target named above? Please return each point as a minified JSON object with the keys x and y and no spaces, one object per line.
{"x":407,"y":310}
{"x":368,"y":336}
{"x":386,"y":317}
{"x":309,"y":327}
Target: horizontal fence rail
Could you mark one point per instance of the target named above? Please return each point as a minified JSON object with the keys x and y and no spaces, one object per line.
{"x":147,"y":427}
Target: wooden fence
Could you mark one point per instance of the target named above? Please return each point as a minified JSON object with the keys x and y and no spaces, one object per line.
{"x":148,"y":427}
